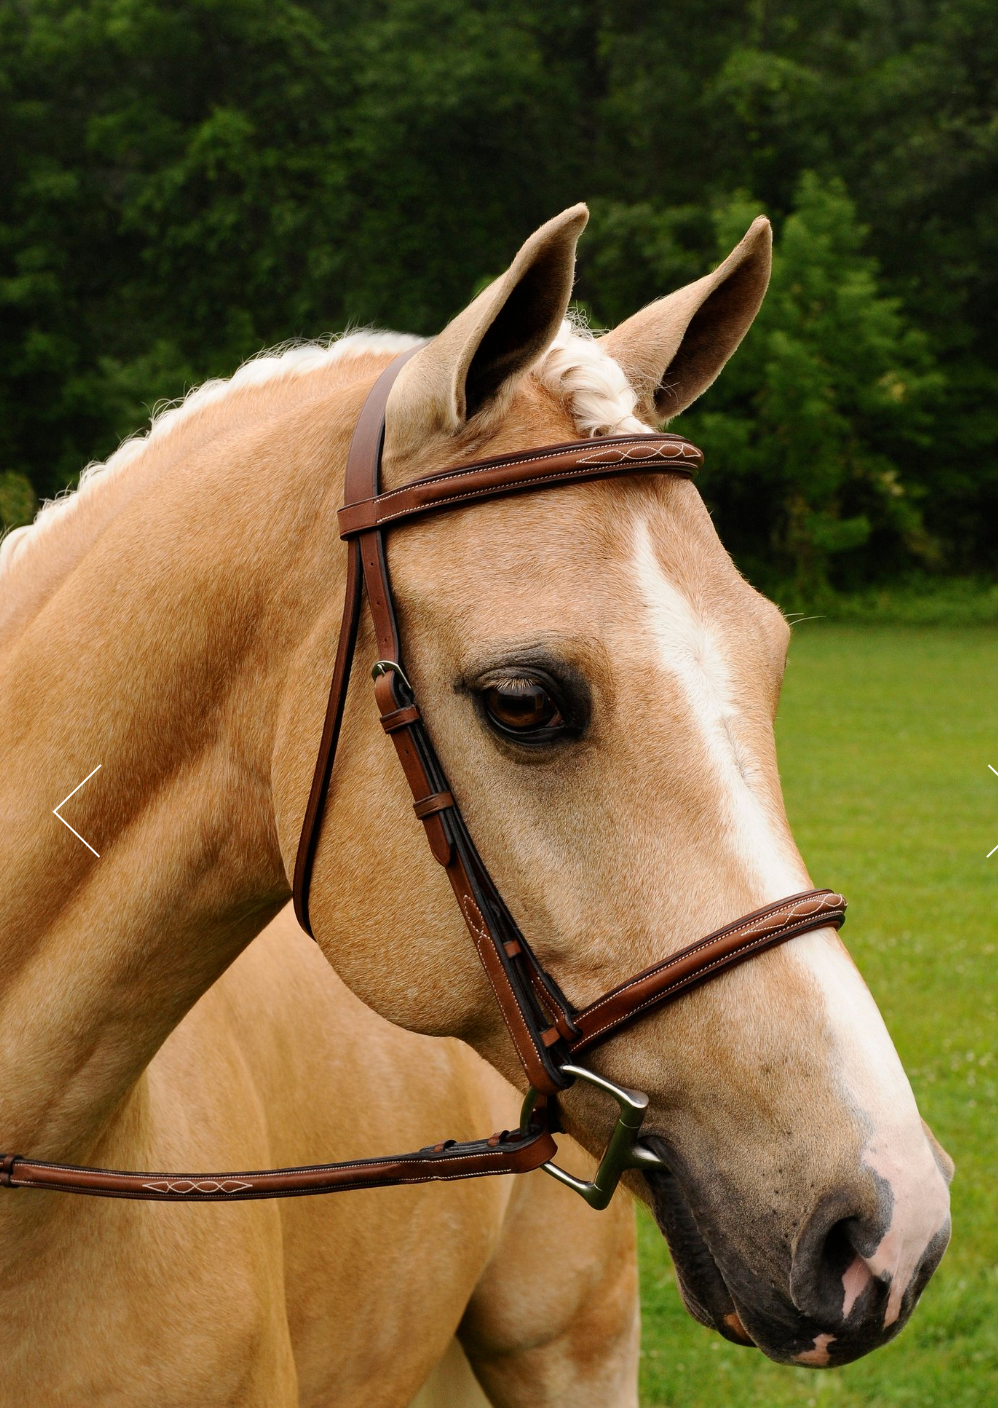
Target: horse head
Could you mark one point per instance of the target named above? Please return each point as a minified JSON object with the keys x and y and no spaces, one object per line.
{"x":601,"y":683}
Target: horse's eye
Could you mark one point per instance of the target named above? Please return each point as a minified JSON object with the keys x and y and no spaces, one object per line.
{"x":521,"y":707}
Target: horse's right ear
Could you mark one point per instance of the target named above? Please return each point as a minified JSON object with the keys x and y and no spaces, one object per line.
{"x":476,"y":361}
{"x":672,"y":350}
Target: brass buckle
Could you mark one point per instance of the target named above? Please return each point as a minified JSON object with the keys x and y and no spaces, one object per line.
{"x":622,"y":1150}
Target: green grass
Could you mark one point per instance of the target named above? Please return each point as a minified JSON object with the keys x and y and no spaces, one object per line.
{"x":950,"y":601}
{"x":885,"y":735}
{"x":913,"y":601}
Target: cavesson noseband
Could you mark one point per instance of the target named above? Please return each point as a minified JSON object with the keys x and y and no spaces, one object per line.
{"x":548,"y":1032}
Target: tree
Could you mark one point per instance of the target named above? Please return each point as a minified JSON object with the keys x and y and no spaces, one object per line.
{"x":170,"y":203}
{"x":17,"y":501}
{"x":809,"y":430}
{"x":186,"y":182}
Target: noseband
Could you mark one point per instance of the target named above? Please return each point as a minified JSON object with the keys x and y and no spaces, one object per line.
{"x":548,"y":1032}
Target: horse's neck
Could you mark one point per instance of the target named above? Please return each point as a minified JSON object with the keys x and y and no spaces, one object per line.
{"x":165,"y":657}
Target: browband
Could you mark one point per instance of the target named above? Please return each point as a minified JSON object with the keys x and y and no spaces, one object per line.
{"x":515,"y":474}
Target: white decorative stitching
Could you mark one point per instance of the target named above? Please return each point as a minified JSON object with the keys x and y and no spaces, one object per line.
{"x":495,"y":1154}
{"x":188,"y":1185}
{"x":202,"y":1185}
{"x":533,"y":457}
{"x":667,"y":450}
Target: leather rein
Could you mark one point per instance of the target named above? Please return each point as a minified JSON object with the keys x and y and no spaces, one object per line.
{"x":548,"y":1032}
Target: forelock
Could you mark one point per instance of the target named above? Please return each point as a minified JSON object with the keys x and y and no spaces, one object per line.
{"x":589,"y":383}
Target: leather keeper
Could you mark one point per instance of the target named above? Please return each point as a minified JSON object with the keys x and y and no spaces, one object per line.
{"x":400,"y":718}
{"x":6,"y":1168}
{"x":436,"y":802}
{"x":564,"y":1027}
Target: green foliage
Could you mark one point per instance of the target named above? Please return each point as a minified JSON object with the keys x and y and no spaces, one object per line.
{"x":884,"y":737}
{"x":183,"y":183}
{"x":17,"y":500}
{"x":832,"y":392}
{"x":171,"y":183}
{"x":919,"y":600}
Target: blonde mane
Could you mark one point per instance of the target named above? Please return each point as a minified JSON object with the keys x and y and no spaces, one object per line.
{"x":575,"y":369}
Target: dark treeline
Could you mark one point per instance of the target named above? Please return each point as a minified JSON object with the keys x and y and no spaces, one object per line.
{"x":185,"y":181}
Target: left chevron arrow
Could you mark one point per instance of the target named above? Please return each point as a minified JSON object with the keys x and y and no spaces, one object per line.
{"x":55,"y":810}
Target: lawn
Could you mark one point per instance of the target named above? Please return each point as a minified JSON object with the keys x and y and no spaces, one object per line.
{"x":885,"y":734}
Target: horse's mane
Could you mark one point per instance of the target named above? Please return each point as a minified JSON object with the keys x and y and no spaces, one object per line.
{"x":574,"y":368}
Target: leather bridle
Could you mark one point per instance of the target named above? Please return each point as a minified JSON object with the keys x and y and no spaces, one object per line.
{"x":548,"y":1032}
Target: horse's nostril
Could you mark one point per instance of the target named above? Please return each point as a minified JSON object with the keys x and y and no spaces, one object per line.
{"x":842,"y":1267}
{"x":857,"y":1277}
{"x":838,"y":1250}
{"x":830,"y":1277}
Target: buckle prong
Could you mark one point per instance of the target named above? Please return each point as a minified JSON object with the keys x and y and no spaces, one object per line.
{"x":622,"y":1150}
{"x":385,"y":667}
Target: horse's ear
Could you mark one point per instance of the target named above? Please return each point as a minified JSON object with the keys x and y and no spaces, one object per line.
{"x":672,"y":350}
{"x":483,"y":351}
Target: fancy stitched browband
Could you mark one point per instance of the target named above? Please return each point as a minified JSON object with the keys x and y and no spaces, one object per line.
{"x":547,"y":1031}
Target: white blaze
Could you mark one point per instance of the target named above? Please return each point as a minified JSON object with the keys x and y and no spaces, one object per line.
{"x":875,"y":1083}
{"x":690,"y":651}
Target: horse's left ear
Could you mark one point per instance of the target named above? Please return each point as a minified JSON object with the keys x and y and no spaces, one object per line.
{"x":480,"y":354}
{"x":672,"y":350}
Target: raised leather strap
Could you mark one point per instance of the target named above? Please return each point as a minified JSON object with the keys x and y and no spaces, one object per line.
{"x":546,"y":1030}
{"x":512,"y":1151}
{"x":516,"y":978}
{"x":512,"y":474}
{"x":695,"y":965}
{"x":365,"y":443}
{"x":542,"y":1023}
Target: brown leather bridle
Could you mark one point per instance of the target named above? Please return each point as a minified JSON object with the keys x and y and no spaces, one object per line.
{"x":548,"y":1032}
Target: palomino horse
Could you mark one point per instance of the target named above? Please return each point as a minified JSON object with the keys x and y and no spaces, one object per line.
{"x":600,"y":683}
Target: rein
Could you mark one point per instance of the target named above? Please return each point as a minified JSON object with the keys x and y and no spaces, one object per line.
{"x":547,"y":1030}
